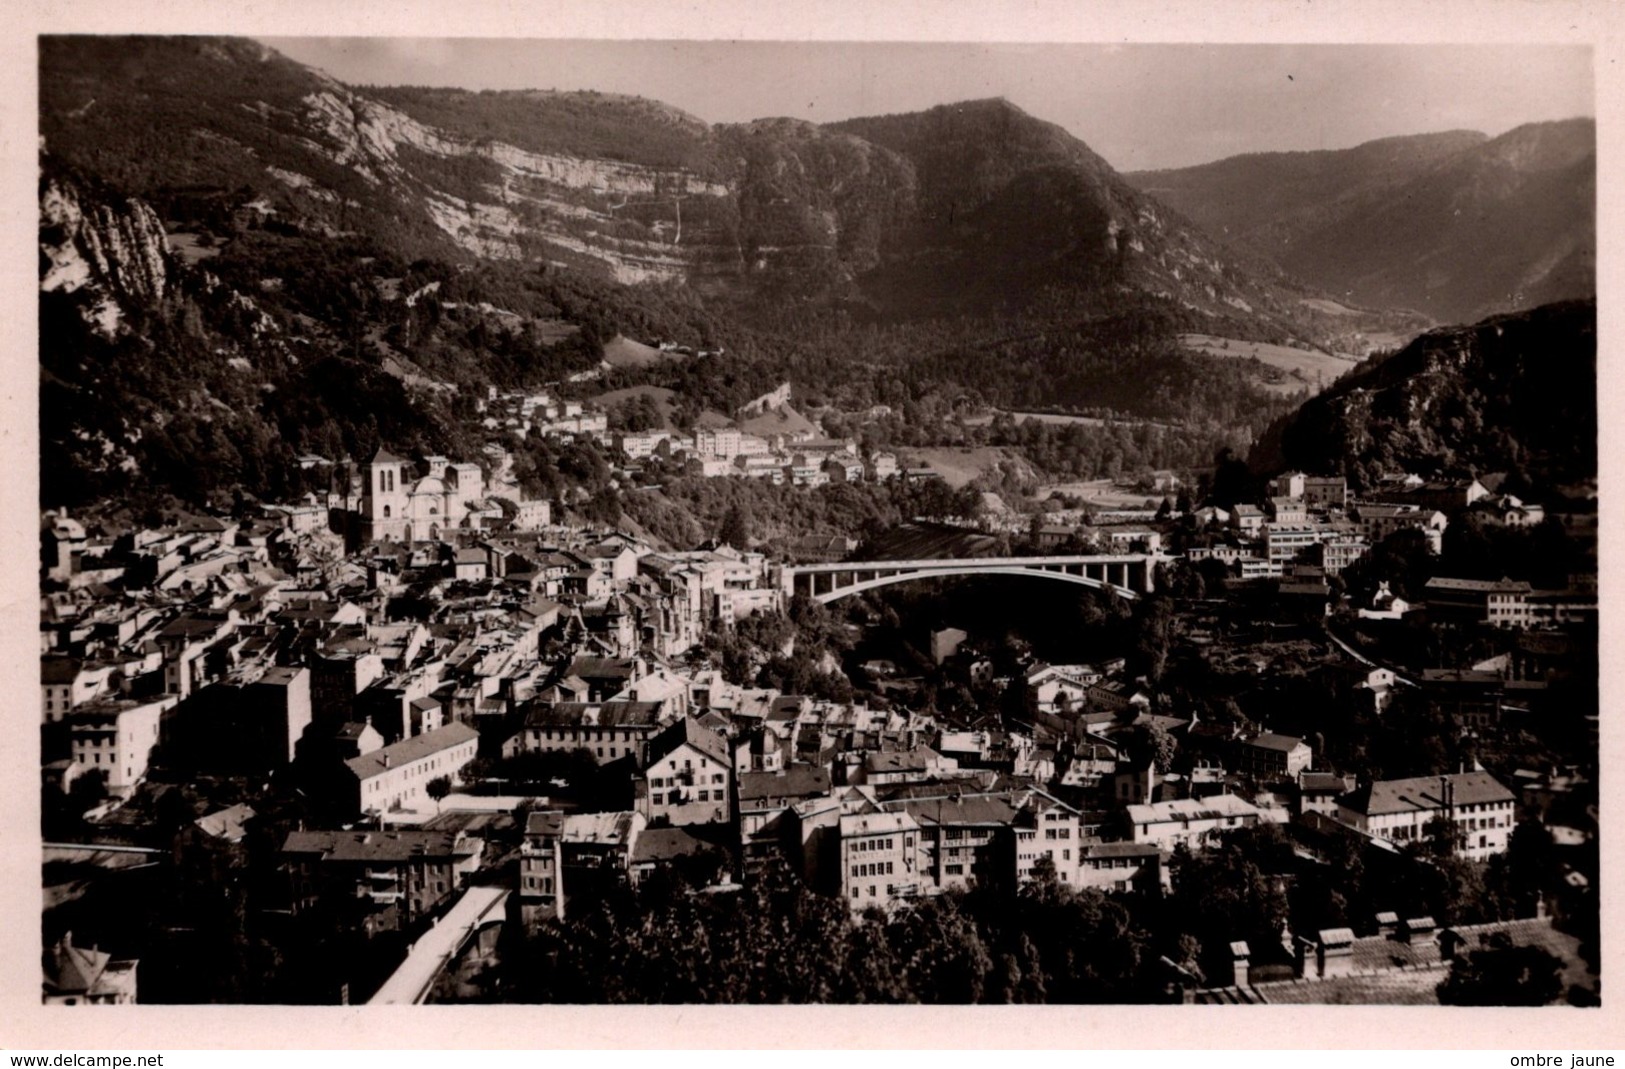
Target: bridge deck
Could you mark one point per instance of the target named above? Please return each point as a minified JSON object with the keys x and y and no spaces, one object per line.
{"x":961,"y":562}
{"x":410,"y":983}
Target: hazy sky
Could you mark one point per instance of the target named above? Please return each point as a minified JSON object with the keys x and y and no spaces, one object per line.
{"x":1138,"y":105}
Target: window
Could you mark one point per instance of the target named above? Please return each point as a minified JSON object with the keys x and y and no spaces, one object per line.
{"x":717,"y":778}
{"x":954,"y":870}
{"x":705,"y":796}
{"x":656,"y":798}
{"x":888,"y":868}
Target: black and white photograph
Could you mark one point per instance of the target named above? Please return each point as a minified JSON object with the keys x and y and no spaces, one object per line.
{"x":539,"y":520}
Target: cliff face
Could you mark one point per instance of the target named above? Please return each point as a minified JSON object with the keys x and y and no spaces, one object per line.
{"x":1513,"y":392}
{"x":956,"y":210}
{"x":109,"y":252}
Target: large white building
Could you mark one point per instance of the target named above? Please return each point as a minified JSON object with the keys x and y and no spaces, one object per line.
{"x":115,"y":738}
{"x":1192,"y":821}
{"x":395,"y":507}
{"x":688,"y":780}
{"x":1400,"y":810}
{"x":398,"y":776}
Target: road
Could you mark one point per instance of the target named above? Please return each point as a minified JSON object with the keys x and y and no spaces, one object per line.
{"x":435,"y":948}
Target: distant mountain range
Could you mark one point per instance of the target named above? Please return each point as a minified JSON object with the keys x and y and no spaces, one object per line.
{"x":1454,"y":225}
{"x":243,"y":259}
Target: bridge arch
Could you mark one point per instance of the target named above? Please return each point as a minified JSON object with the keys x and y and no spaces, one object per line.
{"x":969,"y":569}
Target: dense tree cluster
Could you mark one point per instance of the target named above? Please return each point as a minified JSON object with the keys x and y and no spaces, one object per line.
{"x":775,"y":941}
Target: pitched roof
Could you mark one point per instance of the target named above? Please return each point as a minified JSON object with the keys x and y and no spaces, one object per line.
{"x":796,"y":781}
{"x":1422,"y":793}
{"x":366,"y":845}
{"x":408,"y":750}
{"x":384,"y":456}
{"x":1478,"y":586}
{"x":227,"y":823}
{"x":972,"y":809}
{"x":693,"y":733}
{"x":663,"y":844}
{"x":608,"y":714}
{"x":70,"y":969}
{"x":1219,"y":805}
{"x":1272,"y":741}
{"x":56,"y":668}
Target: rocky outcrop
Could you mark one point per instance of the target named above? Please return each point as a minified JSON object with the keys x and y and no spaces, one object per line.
{"x":111,"y":251}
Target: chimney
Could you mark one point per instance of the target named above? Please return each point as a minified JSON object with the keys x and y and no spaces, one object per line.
{"x":1387,"y":923}
{"x":385,"y":756}
{"x":1240,"y":952}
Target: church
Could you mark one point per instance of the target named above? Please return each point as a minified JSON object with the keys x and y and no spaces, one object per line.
{"x":398,"y":508}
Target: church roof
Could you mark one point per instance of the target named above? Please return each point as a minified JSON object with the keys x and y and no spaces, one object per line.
{"x":384,"y":456}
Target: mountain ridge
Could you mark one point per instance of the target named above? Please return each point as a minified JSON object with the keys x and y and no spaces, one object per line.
{"x":1455,"y":225}
{"x":765,"y":211}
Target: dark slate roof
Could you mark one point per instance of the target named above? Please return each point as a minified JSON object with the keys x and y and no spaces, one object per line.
{"x":55,"y":668}
{"x":975,"y":809}
{"x":370,"y":845}
{"x":796,"y":781}
{"x":1425,"y":792}
{"x":663,"y":844}
{"x":1271,"y":741}
{"x":690,"y":731}
{"x":610,"y":714}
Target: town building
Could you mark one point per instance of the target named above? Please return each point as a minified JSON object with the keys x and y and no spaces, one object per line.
{"x":1403,"y":810}
{"x":1499,"y":603}
{"x":879,"y":858}
{"x":1271,"y":756}
{"x":689,"y":777}
{"x":1191,"y":822}
{"x":391,"y":878}
{"x":86,"y":976}
{"x":398,"y":776}
{"x":115,"y":737}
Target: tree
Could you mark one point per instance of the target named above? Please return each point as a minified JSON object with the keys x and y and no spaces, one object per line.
{"x":1151,"y":742}
{"x":1503,"y":975}
{"x":735,"y":527}
{"x":437,"y":789}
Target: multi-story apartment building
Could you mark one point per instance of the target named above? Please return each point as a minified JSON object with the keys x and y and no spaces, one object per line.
{"x":115,"y":738}
{"x":689,"y":776}
{"x":879,"y":858}
{"x":1193,"y":822}
{"x":391,"y":878}
{"x":609,"y":730}
{"x":1403,"y":810}
{"x":1499,"y":603}
{"x":398,"y":776}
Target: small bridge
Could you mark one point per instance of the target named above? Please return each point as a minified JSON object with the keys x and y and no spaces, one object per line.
{"x":440,"y":945}
{"x":1128,"y":574}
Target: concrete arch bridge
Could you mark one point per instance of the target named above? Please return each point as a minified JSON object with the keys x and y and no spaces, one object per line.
{"x":1128,"y":574}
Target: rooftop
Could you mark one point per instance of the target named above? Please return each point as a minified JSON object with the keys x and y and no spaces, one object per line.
{"x":1423,"y":793}
{"x":409,"y":750}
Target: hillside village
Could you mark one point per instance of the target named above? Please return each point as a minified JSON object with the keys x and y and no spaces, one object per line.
{"x":424,"y":688}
